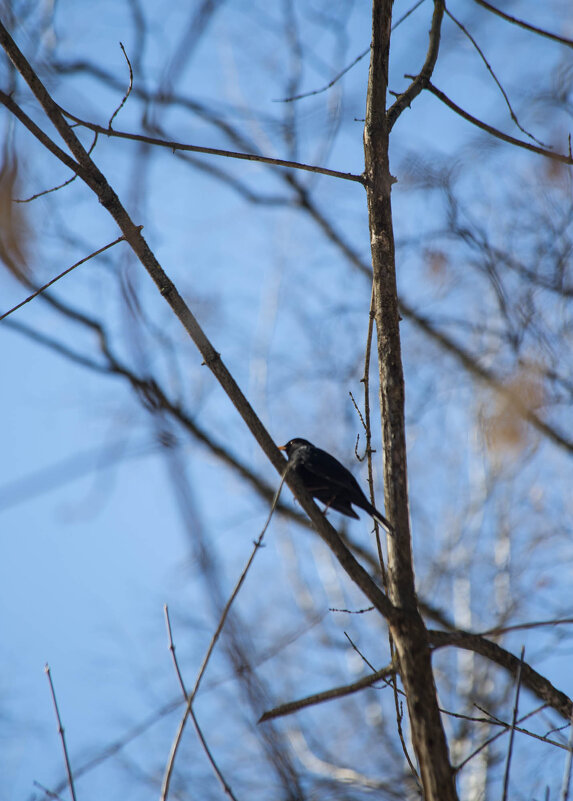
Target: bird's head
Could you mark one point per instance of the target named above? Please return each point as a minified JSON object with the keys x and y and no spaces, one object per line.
{"x":293,"y":445}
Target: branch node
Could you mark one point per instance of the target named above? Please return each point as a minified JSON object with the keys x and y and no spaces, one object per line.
{"x":214,"y":357}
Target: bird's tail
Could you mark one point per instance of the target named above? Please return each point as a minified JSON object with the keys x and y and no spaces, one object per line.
{"x":373,"y":512}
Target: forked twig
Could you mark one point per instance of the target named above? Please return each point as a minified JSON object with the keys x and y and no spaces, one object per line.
{"x":499,"y":734}
{"x":191,"y":696}
{"x":61,"y":733}
{"x":495,"y":78}
{"x":200,"y":734}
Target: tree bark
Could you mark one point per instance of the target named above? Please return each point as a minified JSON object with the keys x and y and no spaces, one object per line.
{"x":408,"y":630}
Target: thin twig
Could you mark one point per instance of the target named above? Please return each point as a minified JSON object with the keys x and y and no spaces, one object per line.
{"x":507,"y":726}
{"x":61,"y":733}
{"x":327,"y":695}
{"x":494,"y":76}
{"x":567,"y":772}
{"x":47,"y":792}
{"x":173,"y":654}
{"x":42,"y":137}
{"x":128,"y":90}
{"x":215,"y":637}
{"x":420,"y":81}
{"x":200,"y":734}
{"x":213,"y":151}
{"x":366,"y":381}
{"x":495,"y":737}
{"x":368,"y":432}
{"x":59,"y":186}
{"x":352,"y":64}
{"x":396,"y":701}
{"x":512,"y":729}
{"x":528,"y":27}
{"x":328,"y":85}
{"x":61,"y":275}
{"x":494,"y":131}
{"x":524,"y":626}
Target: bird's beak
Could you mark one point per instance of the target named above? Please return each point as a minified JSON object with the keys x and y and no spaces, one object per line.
{"x":282,"y":447}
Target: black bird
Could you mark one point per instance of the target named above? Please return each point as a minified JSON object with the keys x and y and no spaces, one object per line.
{"x":327,"y":480}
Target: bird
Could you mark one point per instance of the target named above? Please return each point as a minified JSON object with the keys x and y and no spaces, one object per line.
{"x":326,"y":479}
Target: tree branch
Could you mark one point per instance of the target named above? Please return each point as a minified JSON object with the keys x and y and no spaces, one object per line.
{"x":327,"y":695}
{"x":565,"y":159}
{"x":408,"y":631}
{"x":133,"y":236}
{"x":530,"y":678}
{"x":421,"y":80}
{"x":213,"y":151}
{"x":526,"y":25}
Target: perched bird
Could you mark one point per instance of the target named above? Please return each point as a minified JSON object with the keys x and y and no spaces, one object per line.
{"x":327,"y":480}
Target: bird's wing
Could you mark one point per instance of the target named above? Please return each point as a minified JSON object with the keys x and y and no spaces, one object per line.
{"x":325,"y":466}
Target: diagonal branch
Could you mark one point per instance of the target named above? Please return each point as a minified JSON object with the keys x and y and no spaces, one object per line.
{"x":420,"y":82}
{"x":522,"y":24}
{"x":328,"y":695}
{"x":212,"y":359}
{"x":542,"y":151}
{"x":530,"y":678}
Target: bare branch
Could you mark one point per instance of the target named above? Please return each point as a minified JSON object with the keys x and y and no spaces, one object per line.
{"x":524,"y":626}
{"x":512,"y":727}
{"x":13,"y":107}
{"x":208,"y":752}
{"x":59,"y":186}
{"x":567,"y":772}
{"x":540,"y":31}
{"x":61,"y":275}
{"x":327,"y":695}
{"x":127,"y":91}
{"x":62,"y":735}
{"x":409,"y":634}
{"x":215,"y":637}
{"x":213,"y":151}
{"x":421,"y":80}
{"x":494,"y":76}
{"x":565,"y":159}
{"x":530,"y":678}
{"x":353,"y":63}
{"x":495,"y":737}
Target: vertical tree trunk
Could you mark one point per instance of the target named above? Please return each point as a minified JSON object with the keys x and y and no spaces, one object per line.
{"x":409,"y":632}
